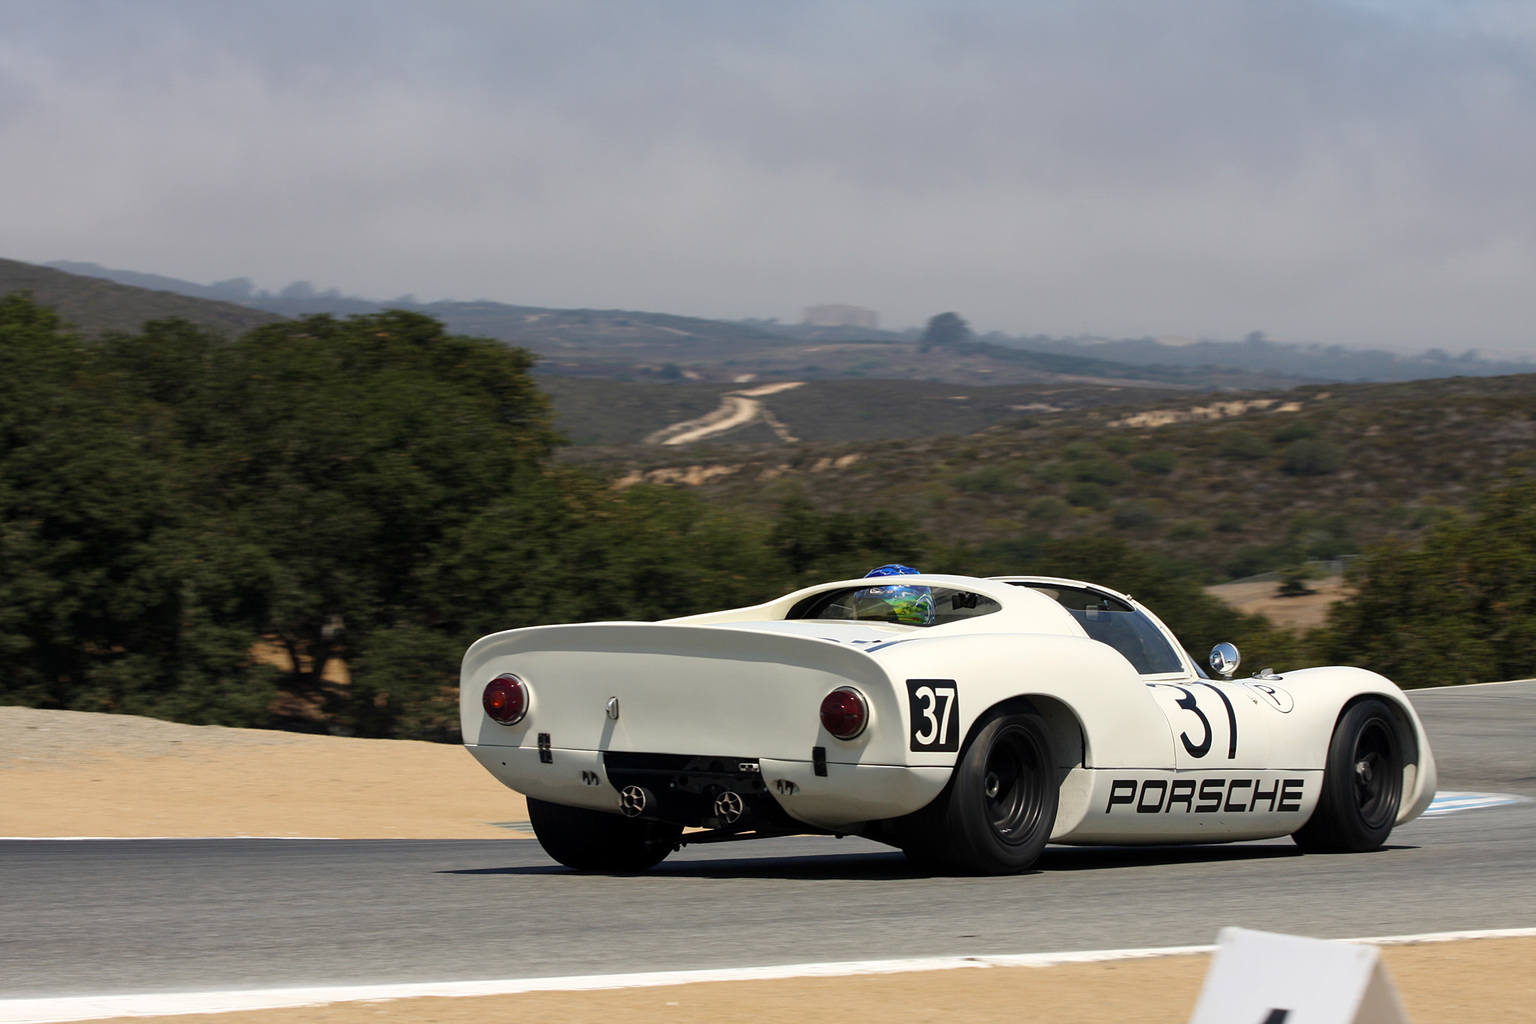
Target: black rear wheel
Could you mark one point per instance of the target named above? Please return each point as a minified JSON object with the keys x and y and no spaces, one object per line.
{"x":998,"y":810}
{"x":597,"y":841}
{"x":1362,"y":783}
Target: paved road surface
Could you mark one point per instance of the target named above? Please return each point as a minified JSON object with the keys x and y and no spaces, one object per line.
{"x":126,"y":916}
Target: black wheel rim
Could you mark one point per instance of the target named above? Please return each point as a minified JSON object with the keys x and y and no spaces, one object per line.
{"x":1010,"y":785}
{"x":1375,"y":773}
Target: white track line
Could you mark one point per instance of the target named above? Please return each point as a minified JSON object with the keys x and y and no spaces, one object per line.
{"x":165,"y":1004}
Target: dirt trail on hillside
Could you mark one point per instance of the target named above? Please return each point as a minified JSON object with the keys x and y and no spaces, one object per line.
{"x":736,"y":409}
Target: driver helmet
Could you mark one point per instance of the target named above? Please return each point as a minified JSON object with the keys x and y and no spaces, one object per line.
{"x":911,"y":605}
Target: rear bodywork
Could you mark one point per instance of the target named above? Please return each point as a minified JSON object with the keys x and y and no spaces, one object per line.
{"x":729,"y":701}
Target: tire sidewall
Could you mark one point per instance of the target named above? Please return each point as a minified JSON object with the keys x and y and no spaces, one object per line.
{"x":589,"y":840}
{"x":972,"y":840}
{"x":1338,"y":824}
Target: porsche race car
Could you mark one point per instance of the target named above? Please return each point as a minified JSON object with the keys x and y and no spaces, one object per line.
{"x":965,"y":721}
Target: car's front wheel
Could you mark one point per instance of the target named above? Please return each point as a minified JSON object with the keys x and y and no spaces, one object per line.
{"x":1362,"y":783}
{"x":597,"y":841}
{"x":998,"y":810}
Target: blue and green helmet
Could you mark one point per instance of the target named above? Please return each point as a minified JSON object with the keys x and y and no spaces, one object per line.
{"x":911,"y":605}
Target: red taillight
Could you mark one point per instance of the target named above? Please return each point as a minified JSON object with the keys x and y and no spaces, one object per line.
{"x":844,"y":713}
{"x":505,"y":699}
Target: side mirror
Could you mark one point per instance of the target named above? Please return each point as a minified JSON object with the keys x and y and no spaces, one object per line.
{"x":1225,"y":659}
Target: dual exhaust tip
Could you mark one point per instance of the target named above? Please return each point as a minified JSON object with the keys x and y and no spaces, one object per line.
{"x":729,"y":806}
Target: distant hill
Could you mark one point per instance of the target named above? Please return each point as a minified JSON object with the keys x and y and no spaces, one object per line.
{"x":1260,"y":354}
{"x":95,"y":306}
{"x":545,"y":330}
{"x":630,"y":345}
{"x":633,"y":345}
{"x":606,"y":412}
{"x":1237,"y":484}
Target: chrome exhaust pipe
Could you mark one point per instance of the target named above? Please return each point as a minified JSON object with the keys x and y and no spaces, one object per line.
{"x":633,"y":801}
{"x":729,"y":807}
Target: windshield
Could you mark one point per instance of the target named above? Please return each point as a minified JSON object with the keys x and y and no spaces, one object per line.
{"x":895,"y":602}
{"x":1117,"y":624}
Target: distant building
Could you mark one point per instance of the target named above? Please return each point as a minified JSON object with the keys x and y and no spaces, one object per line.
{"x":841,"y":316}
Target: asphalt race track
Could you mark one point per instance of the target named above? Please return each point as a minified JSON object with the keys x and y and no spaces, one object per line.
{"x":100,"y":917}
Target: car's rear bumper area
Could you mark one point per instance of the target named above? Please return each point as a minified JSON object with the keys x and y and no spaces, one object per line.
{"x":775,"y":794}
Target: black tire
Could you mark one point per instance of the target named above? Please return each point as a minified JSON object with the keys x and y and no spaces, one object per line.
{"x":996,"y":813}
{"x":1362,"y":783}
{"x":597,"y":841}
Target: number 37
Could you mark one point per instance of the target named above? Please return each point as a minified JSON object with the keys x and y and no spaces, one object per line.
{"x":935,"y":710}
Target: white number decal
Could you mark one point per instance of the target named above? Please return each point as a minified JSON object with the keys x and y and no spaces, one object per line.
{"x":947,"y":695}
{"x":930,"y":701}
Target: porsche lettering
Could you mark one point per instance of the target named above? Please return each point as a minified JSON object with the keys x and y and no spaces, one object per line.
{"x":1205,"y":796}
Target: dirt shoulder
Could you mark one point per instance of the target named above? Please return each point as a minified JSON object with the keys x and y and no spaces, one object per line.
{"x":1307,"y":611}
{"x":1485,"y":980}
{"x":69,"y":773}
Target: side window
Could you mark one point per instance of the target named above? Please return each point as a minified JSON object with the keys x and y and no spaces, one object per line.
{"x":1119,"y":625}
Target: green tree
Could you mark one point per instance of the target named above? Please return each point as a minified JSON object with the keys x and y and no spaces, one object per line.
{"x":813,"y":546}
{"x":947,"y":330}
{"x":111,"y":597}
{"x":1312,"y":456}
{"x":347,"y":450}
{"x":1460,"y":607}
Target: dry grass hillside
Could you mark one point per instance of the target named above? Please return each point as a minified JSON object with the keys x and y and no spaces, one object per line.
{"x":1240,"y":484}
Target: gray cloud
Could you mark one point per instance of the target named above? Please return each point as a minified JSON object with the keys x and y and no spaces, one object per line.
{"x":1328,"y":171}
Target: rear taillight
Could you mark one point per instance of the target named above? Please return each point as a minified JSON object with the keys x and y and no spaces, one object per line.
{"x":505,"y":699}
{"x":844,"y":713}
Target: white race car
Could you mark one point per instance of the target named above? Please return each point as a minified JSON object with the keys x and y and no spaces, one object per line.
{"x":966,"y":721}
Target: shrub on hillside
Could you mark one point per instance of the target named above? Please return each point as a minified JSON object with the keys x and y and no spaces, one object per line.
{"x":1047,"y":508}
{"x":1242,"y":444}
{"x":1155,"y":462}
{"x":1097,"y":471}
{"x":1231,"y":522}
{"x":1312,"y":456}
{"x":1295,"y":430}
{"x":1088,"y":495}
{"x":1189,"y":529}
{"x":1134,"y":514}
{"x":986,"y":480}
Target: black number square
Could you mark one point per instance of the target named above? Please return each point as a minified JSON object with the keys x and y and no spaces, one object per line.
{"x":935,"y":713}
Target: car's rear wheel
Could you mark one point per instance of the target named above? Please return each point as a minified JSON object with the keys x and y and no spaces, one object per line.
{"x":997,"y":812}
{"x":1362,"y":783}
{"x":597,"y":841}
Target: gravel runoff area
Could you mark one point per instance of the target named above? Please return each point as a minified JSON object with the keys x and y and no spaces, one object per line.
{"x":69,"y":774}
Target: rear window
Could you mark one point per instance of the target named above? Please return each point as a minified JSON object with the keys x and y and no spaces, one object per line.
{"x":895,"y":602}
{"x":1117,"y":624}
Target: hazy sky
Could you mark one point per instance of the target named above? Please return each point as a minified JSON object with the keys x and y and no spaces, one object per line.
{"x":1350,"y":172}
